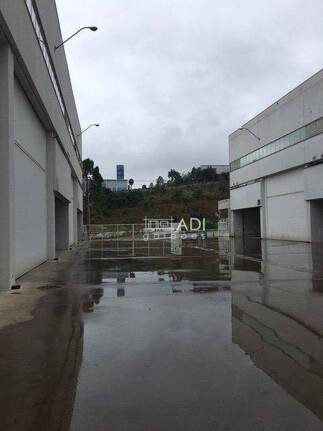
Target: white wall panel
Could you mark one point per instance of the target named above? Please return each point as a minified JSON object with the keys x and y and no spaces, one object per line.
{"x":70,"y":224}
{"x":286,"y":208}
{"x":285,"y":183}
{"x":29,"y":132}
{"x":80,"y":198}
{"x":245,"y":197}
{"x":313,"y":178}
{"x":30,"y":213}
{"x":30,"y":186}
{"x":287,"y":217}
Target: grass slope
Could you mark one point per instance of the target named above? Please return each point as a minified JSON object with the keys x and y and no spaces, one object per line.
{"x":194,"y":200}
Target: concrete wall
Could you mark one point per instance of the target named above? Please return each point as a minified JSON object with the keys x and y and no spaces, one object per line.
{"x":286,"y":180}
{"x":289,"y":158}
{"x":245,"y":197}
{"x":18,"y":28}
{"x":313,"y":182}
{"x":297,"y":108}
{"x":286,"y":159}
{"x":30,"y":186}
{"x":286,"y":208}
{"x":7,"y":209}
{"x":38,"y":158}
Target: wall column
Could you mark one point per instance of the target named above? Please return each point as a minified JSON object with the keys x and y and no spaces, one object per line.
{"x":75,"y":205}
{"x":51,"y":172}
{"x":7,"y":209}
{"x":263,"y":209}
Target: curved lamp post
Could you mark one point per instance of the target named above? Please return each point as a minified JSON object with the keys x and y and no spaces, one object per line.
{"x":91,"y":125}
{"x":248,"y":130}
{"x":92,"y":28}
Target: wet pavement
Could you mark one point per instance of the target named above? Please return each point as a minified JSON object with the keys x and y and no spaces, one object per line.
{"x":209,"y":335}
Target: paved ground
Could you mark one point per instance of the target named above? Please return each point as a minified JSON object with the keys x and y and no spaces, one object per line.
{"x":225,"y":336}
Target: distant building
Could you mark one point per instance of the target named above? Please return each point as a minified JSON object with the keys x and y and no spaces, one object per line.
{"x":119,"y":184}
{"x":115,"y":185}
{"x":120,"y":172}
{"x":219,"y":169}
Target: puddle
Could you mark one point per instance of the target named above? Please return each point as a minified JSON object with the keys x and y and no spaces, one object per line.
{"x":50,"y":287}
{"x":205,"y":288}
{"x":224,"y":336}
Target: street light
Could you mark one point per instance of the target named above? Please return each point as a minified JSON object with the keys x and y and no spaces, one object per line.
{"x":91,"y":125}
{"x":248,"y":130}
{"x":87,"y":183}
{"x":92,"y":28}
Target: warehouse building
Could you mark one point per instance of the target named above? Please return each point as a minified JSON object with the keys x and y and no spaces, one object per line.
{"x":276,"y":168}
{"x":40,"y":154}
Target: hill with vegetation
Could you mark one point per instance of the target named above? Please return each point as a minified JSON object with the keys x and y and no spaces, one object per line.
{"x":180,"y":197}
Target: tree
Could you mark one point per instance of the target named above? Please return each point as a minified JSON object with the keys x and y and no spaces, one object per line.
{"x":92,"y":183}
{"x":175,"y":177}
{"x":87,"y":166}
{"x":193,"y":175}
{"x":160,"y":181}
{"x":186,"y":178}
{"x":144,"y":187}
{"x":97,"y":180}
{"x":151,"y":185}
{"x":131,"y":183}
{"x":209,"y":174}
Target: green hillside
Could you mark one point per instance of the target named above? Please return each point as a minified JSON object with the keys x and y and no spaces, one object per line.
{"x":193,"y":200}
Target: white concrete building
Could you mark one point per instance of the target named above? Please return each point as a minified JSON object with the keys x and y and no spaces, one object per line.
{"x":40,"y":156}
{"x":115,"y":185}
{"x":276,"y":181}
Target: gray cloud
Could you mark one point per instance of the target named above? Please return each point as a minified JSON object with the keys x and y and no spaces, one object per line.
{"x":170,"y":79}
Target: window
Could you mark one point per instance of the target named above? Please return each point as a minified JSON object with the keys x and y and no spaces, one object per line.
{"x":312,"y":129}
{"x":51,"y":70}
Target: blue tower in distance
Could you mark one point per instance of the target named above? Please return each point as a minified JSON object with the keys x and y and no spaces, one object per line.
{"x":120,"y":172}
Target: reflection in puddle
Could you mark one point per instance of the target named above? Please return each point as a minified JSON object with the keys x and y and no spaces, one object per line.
{"x":274,"y":317}
{"x":228,"y":334}
{"x":207,"y":288}
{"x":145,"y":276}
{"x":91,"y":298}
{"x":142,"y":277}
{"x":277,"y":317}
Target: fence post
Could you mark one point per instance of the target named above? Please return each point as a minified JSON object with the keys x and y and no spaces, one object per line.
{"x":117,"y":239}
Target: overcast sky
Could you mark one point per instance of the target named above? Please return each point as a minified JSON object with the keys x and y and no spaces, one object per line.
{"x":169,"y":79}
